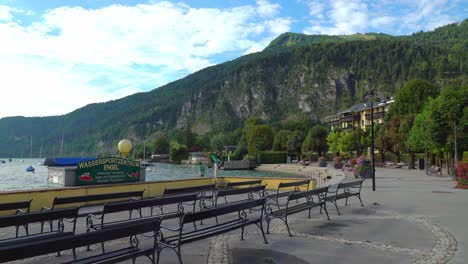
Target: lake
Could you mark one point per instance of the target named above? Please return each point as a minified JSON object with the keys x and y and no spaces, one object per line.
{"x":13,"y":175}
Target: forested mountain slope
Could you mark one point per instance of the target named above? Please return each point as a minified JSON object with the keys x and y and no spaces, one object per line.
{"x":297,"y":75}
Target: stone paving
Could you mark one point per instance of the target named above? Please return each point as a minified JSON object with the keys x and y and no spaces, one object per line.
{"x":410,"y":218}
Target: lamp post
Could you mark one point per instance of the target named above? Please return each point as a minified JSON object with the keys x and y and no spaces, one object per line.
{"x":371,"y":93}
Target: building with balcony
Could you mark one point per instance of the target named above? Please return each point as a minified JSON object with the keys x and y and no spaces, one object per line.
{"x":358,"y":116}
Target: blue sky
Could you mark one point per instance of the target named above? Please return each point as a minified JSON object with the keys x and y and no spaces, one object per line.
{"x":59,"y":55}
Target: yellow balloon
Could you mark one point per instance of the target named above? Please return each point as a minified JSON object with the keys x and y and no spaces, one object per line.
{"x":125,"y":146}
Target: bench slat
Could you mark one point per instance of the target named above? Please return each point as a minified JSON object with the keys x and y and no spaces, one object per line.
{"x":138,"y":204}
{"x":23,"y":219}
{"x":221,"y":210}
{"x":32,"y":238}
{"x":15,"y":205}
{"x":97,"y":197}
{"x":242,"y":183}
{"x":228,"y":192}
{"x":192,"y":189}
{"x":350,"y":184}
{"x":293,"y":184}
{"x":110,"y":257}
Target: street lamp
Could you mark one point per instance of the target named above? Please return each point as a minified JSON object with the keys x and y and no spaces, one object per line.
{"x":371,"y":94}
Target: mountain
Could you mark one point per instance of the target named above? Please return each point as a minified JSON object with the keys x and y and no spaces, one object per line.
{"x":295,"y":76}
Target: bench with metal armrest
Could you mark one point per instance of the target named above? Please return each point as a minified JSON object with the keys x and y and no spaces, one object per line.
{"x":20,"y":207}
{"x":61,"y":215}
{"x":345,"y":190}
{"x":53,"y":244}
{"x":305,"y":200}
{"x":236,"y":217}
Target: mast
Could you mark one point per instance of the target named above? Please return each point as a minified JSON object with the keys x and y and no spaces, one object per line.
{"x":30,"y":154}
{"x":61,"y":144}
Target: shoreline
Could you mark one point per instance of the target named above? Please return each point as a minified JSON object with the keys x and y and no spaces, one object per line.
{"x":319,"y":174}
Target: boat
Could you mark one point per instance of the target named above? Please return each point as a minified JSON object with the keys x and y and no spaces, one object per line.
{"x":2,"y":161}
{"x":30,"y":169}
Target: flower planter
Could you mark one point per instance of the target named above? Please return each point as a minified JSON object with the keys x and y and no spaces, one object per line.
{"x":338,"y":166}
{"x":366,"y":174}
{"x":322,"y":164}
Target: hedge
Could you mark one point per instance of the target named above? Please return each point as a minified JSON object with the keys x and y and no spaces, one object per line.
{"x":270,"y":157}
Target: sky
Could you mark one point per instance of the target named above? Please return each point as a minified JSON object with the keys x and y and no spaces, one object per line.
{"x":59,"y":55}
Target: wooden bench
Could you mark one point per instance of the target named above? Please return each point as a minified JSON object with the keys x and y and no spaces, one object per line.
{"x":62,"y":215}
{"x":60,"y":201}
{"x":54,"y":244}
{"x":238,"y":219}
{"x":200,"y":190}
{"x":250,"y":191}
{"x":204,"y":192}
{"x":230,"y":185}
{"x":434,"y":169}
{"x":296,"y":186}
{"x":104,"y":221}
{"x":305,"y":200}
{"x":345,"y":190}
{"x":21,"y":207}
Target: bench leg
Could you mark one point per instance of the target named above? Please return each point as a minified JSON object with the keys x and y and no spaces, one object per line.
{"x":179,"y":255}
{"x":158,"y":253}
{"x":242,"y":233}
{"x":359,"y":196}
{"x":287,"y":226}
{"x":263,"y":233}
{"x":324,"y":206}
{"x":268,"y":224}
{"x":346,"y":204}
{"x":336,"y":206}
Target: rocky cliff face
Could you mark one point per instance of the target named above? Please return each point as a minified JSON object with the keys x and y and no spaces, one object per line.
{"x":272,"y":92}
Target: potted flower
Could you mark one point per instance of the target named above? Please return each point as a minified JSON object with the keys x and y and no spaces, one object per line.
{"x":363,"y":169}
{"x":322,"y":162}
{"x":337,"y":164}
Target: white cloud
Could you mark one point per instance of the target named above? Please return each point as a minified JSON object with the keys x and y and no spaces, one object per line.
{"x":344,"y":17}
{"x":267,"y":9}
{"x":397,"y":17}
{"x":6,"y":12}
{"x":382,"y":21}
{"x":316,"y":8}
{"x":426,"y":15}
{"x":74,"y":56}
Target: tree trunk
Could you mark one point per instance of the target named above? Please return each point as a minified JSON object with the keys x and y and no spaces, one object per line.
{"x":412,"y":160}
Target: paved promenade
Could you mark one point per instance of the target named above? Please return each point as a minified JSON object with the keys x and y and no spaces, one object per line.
{"x":410,"y":218}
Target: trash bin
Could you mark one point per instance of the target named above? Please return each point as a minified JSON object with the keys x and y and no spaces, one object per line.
{"x":421,"y":164}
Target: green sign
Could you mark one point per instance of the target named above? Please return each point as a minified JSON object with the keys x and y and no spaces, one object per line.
{"x":107,"y":170}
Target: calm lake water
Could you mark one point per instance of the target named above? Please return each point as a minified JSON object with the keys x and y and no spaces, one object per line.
{"x":13,"y":175}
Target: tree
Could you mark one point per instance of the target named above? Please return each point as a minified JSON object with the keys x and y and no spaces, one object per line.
{"x":259,"y":138}
{"x":177,"y":151}
{"x":409,"y":101}
{"x":420,"y":136}
{"x":161,"y":145}
{"x":446,"y":112}
{"x":316,"y":140}
{"x":295,"y":140}
{"x":218,"y":142}
{"x":281,"y":140}
{"x":334,"y":141}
